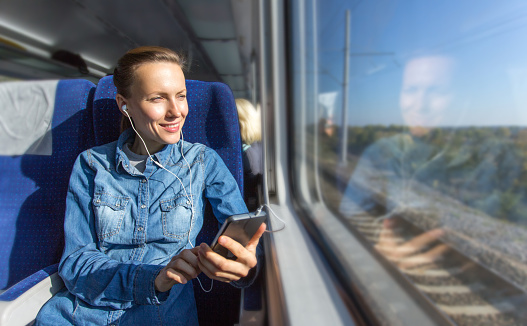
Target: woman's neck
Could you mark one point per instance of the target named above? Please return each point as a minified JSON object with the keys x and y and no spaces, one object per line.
{"x":139,"y":148}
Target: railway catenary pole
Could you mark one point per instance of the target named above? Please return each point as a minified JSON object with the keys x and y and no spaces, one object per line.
{"x":344,"y":121}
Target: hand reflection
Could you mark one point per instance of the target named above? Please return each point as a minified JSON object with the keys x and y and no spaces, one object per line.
{"x":420,"y":250}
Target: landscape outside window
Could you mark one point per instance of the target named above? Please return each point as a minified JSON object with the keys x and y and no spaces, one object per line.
{"x":422,"y":146}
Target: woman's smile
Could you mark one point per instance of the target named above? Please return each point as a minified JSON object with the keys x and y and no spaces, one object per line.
{"x":173,"y":127}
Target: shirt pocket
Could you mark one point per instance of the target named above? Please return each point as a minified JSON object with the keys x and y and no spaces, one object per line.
{"x":109,"y":213}
{"x":176,"y":214}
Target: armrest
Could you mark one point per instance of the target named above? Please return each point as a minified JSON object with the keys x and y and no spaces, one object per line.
{"x":20,"y":304}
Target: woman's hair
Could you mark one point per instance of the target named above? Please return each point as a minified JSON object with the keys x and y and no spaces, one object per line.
{"x":250,"y":125}
{"x":124,"y":73}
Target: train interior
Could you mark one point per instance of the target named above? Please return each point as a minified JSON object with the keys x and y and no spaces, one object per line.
{"x":394,"y":141}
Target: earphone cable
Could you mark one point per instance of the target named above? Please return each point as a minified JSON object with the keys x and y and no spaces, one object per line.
{"x":269,"y":207}
{"x":190,"y":199}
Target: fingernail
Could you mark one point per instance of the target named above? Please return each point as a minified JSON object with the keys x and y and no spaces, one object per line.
{"x":222,"y":240}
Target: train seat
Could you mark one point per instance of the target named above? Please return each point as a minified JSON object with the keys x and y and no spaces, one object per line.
{"x":34,"y":176}
{"x":212,"y":121}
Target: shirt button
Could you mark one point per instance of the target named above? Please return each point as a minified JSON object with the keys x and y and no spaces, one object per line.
{"x":98,"y":201}
{"x":140,"y":228}
{"x":143,"y":181}
{"x":143,"y":206}
{"x":117,"y":205}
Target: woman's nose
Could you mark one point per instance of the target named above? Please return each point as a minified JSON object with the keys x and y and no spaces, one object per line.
{"x":174,"y":110}
{"x":419,"y":101}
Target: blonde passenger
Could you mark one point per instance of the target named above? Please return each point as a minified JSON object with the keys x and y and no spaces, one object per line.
{"x":251,"y":134}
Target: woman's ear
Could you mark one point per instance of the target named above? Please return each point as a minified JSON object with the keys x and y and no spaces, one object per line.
{"x":121,"y":103}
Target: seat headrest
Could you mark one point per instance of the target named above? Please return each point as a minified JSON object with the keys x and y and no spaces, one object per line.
{"x":26,"y":112}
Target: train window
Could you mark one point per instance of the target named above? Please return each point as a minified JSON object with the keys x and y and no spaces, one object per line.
{"x":410,"y":127}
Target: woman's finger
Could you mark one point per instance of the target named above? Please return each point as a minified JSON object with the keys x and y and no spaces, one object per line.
{"x":243,"y":255}
{"x":251,"y":245}
{"x":217,"y":276}
{"x":216,"y":266}
{"x":176,"y":276}
{"x":182,"y":265}
{"x":433,"y":255}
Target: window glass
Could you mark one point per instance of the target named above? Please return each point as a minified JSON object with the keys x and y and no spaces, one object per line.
{"x":411,"y":126}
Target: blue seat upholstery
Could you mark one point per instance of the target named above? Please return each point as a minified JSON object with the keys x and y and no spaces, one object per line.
{"x":212,"y":121}
{"x":33,"y":191}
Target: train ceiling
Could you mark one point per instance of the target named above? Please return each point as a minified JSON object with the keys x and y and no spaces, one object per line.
{"x":218,"y":46}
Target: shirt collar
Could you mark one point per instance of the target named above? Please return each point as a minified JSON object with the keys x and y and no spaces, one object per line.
{"x":169,"y":152}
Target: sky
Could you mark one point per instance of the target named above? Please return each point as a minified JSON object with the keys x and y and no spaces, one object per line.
{"x":488,"y":86}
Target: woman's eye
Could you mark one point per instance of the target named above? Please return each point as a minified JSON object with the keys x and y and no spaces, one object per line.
{"x":182,"y":96}
{"x":156,"y":98}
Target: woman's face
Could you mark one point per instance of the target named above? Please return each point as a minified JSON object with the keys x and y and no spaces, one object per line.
{"x":158,"y":105}
{"x":426,"y":96}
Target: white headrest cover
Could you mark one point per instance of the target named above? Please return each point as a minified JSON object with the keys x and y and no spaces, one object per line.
{"x":26,"y":111}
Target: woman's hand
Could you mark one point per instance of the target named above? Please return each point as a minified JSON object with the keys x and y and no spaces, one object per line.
{"x":420,"y":250}
{"x":181,"y":269}
{"x":226,"y":270}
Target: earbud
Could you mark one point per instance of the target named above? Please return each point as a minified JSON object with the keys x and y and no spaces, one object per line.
{"x":125,"y":110}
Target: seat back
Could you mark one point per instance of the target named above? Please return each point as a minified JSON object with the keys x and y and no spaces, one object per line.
{"x":212,"y":121}
{"x":33,"y":183}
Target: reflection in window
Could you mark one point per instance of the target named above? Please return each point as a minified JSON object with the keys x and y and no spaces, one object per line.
{"x":435,"y":173}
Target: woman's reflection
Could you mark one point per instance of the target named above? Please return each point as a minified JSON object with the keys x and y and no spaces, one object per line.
{"x":395,"y":176}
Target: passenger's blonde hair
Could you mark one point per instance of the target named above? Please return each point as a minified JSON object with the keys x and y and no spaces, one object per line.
{"x":250,"y":122}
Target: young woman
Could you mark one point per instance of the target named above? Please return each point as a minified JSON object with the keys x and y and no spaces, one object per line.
{"x":135,"y":207}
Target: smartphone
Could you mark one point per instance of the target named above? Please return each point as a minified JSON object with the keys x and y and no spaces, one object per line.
{"x":240,"y":228}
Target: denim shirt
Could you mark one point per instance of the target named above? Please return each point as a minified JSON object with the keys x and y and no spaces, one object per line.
{"x":123,"y":226}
